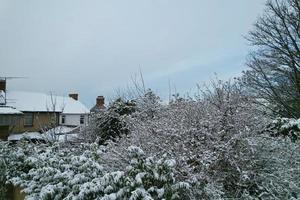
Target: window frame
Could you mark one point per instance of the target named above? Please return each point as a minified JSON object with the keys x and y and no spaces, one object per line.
{"x":81,"y":119}
{"x":26,"y":115}
{"x":63,"y":119}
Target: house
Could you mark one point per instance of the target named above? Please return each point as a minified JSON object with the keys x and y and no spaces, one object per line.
{"x":74,"y":113}
{"x":9,"y":118}
{"x":42,"y":111}
{"x":100,"y":101}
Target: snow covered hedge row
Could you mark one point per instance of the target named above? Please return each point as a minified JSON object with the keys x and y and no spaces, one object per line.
{"x":278,"y":168}
{"x":219,"y":142}
{"x":51,"y":172}
{"x":218,"y":139}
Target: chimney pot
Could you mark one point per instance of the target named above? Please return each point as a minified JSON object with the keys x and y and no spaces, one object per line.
{"x":74,"y":96}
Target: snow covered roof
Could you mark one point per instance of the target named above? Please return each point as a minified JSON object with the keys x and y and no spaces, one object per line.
{"x":40,"y":102}
{"x":9,"y":111}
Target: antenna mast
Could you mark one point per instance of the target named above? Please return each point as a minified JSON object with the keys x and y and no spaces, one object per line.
{"x":3,"y":80}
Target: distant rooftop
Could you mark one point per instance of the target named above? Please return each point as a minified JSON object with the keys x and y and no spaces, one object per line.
{"x":40,"y":102}
{"x":9,"y":111}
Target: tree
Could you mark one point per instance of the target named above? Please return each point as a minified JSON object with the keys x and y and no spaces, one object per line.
{"x":274,"y":74}
{"x":109,"y":123}
{"x":206,"y":135}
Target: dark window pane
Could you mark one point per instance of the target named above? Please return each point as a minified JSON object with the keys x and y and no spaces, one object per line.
{"x":81,"y":119}
{"x":63,"y":119}
{"x":28,"y":119}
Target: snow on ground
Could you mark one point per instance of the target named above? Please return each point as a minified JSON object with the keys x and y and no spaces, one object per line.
{"x":61,"y":137}
{"x":62,"y":130}
{"x":60,"y":133}
{"x":26,"y":135}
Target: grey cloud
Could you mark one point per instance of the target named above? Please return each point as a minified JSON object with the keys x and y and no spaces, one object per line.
{"x":95,"y":46}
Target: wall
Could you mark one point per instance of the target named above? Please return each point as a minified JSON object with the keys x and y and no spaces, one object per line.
{"x":73,"y":119}
{"x":7,"y":122}
{"x":40,"y":121}
{"x":4,"y":132}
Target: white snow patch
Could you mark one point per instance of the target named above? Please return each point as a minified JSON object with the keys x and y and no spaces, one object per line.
{"x":26,"y":135}
{"x":9,"y":111}
{"x":61,"y":134}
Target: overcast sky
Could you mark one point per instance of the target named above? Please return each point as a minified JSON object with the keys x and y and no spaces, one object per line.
{"x":94,"y":46}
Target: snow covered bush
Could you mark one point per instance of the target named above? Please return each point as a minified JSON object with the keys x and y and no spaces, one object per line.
{"x":109,"y":123}
{"x":220,"y":141}
{"x":2,"y":178}
{"x":286,"y":127}
{"x":50,"y":172}
{"x":148,"y":105}
{"x":207,"y":136}
{"x":47,"y":172}
{"x":277,"y":173}
{"x":144,"y":178}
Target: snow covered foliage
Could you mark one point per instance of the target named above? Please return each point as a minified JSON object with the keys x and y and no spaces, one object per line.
{"x":277,"y":172}
{"x":215,"y":139}
{"x":148,"y":105}
{"x":2,"y":178}
{"x":109,"y":123}
{"x":216,"y":145}
{"x":55,"y":172}
{"x":50,"y":172}
{"x":144,"y":178}
{"x":286,"y":127}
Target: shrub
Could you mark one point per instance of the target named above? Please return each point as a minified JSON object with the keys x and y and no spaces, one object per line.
{"x":2,"y":179}
{"x":52,"y":172}
{"x":285,"y":127}
{"x":109,"y":124}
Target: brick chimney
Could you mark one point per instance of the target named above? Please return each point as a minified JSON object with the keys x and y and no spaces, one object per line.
{"x":100,"y":102}
{"x":3,"y":85}
{"x":74,"y":96}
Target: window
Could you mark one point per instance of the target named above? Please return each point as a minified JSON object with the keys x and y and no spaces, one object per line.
{"x":9,"y":120}
{"x":63,"y":119}
{"x":81,"y":119}
{"x":28,"y":119}
{"x":5,"y":120}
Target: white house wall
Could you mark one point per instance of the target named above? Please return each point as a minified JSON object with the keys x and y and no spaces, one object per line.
{"x":73,"y":119}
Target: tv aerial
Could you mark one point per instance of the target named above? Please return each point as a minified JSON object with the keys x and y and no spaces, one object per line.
{"x":3,"y":80}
